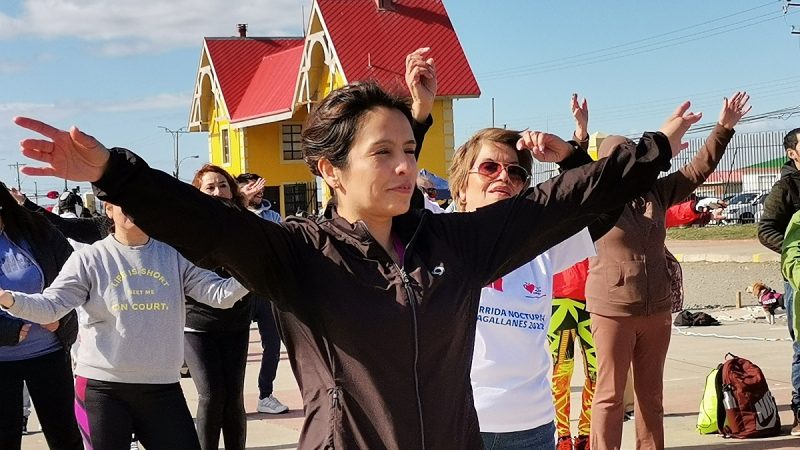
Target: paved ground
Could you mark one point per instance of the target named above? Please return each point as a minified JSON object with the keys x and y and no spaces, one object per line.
{"x":745,"y":250}
{"x":691,"y":357}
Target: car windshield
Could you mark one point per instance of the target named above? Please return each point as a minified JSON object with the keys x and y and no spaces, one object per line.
{"x":744,"y":197}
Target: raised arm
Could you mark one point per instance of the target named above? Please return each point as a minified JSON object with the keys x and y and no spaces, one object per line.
{"x":580,"y":112}
{"x":261,"y":254}
{"x":674,"y":188}
{"x":68,"y":291}
{"x":207,"y":287}
{"x":501,"y":237}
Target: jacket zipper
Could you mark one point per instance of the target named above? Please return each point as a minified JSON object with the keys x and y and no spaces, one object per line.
{"x":412,"y":300}
{"x":335,"y":393}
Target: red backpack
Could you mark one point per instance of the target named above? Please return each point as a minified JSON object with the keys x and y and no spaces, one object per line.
{"x":748,"y":404}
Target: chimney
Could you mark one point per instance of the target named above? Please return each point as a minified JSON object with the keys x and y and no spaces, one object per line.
{"x":242,"y":30}
{"x":385,"y":5}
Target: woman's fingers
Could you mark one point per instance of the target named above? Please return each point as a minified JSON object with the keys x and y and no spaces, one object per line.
{"x":37,"y":126}
{"x":40,"y":171}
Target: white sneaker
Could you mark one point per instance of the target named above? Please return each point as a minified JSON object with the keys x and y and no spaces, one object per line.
{"x":271,"y":405}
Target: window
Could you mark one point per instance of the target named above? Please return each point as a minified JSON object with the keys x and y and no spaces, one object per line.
{"x":295,"y":199}
{"x":226,"y":147}
{"x":291,"y":143}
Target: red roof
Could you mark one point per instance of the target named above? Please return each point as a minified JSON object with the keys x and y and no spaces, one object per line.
{"x":250,"y":84}
{"x":258,"y":76}
{"x":373,"y":44}
{"x":724,"y":176}
{"x":271,"y":90}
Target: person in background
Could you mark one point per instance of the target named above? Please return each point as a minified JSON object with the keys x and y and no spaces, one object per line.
{"x":629,"y":295}
{"x":31,"y":254}
{"x":426,"y":185}
{"x":130,"y":291}
{"x":252,"y":186}
{"x":217,"y":339}
{"x":779,"y":207}
{"x":570,"y":323}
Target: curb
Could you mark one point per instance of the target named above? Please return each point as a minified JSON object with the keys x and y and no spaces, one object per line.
{"x":715,"y":257}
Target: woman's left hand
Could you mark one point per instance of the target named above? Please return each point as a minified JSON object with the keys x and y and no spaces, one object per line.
{"x":734,"y":109}
{"x":544,"y":147}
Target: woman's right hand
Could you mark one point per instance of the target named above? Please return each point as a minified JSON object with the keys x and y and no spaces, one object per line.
{"x":72,"y":155}
{"x":678,"y":124}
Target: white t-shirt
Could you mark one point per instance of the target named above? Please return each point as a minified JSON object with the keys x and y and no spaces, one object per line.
{"x":511,"y":366}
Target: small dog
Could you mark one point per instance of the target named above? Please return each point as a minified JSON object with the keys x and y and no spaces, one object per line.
{"x":768,"y":298}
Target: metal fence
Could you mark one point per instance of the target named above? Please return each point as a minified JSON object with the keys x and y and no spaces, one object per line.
{"x":752,"y":163}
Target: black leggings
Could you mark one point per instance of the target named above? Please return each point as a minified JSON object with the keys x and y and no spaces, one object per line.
{"x":49,"y":380}
{"x":217,"y":362}
{"x":108,"y":413}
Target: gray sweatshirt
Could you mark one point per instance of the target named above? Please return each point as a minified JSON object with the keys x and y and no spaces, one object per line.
{"x":130,"y":303}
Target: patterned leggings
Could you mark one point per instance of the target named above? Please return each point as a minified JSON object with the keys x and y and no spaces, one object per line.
{"x":571,"y":322}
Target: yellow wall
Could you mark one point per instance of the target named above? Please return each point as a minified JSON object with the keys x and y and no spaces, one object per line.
{"x":236,"y":165}
{"x":437,"y":149}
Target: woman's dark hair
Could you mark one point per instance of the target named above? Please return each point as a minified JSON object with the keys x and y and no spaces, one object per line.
{"x":20,"y":223}
{"x":331,"y":127}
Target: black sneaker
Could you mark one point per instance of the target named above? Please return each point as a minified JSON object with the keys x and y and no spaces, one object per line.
{"x":24,"y":425}
{"x":628,"y":416}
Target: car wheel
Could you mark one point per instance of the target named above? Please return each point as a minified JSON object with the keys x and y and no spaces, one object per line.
{"x":747,"y":218}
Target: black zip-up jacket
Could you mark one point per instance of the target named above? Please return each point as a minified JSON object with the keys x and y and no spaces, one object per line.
{"x":50,"y":252}
{"x":779,"y":207}
{"x":382,"y":352}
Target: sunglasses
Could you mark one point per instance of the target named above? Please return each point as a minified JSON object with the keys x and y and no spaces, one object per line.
{"x":492,"y":169}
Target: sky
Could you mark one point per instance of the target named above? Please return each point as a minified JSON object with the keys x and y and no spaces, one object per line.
{"x":122,"y":69}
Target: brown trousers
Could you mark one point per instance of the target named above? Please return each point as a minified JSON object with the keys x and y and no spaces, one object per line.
{"x":640,"y":342}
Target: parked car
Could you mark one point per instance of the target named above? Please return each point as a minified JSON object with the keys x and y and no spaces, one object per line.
{"x":745,"y":207}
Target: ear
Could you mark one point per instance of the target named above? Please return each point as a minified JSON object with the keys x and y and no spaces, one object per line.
{"x":330,"y":174}
{"x":108,"y":209}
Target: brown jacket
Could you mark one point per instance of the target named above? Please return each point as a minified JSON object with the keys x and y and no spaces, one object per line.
{"x":628,"y":277}
{"x":381,"y":353}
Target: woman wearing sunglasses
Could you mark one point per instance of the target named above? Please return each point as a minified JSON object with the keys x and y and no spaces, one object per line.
{"x":376,"y":302}
{"x":510,"y":366}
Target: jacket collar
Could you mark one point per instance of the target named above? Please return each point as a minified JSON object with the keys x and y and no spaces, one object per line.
{"x":357,"y":234}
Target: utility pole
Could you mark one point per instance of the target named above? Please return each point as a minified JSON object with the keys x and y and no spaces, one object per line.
{"x":16,"y":166}
{"x":789,"y":4}
{"x":176,"y":135}
{"x":492,"y":112}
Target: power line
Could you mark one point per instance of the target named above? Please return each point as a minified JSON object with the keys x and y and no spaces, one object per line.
{"x":626,"y":44}
{"x":604,"y":55}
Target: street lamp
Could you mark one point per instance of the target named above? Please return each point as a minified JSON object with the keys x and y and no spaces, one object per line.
{"x":178,"y":166}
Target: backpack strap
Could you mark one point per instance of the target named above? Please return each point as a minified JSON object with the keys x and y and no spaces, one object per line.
{"x":720,"y":404}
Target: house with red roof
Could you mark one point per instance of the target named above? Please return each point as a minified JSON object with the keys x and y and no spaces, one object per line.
{"x":252,"y":94}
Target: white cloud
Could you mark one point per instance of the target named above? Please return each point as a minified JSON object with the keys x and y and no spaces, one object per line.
{"x":124,"y":27}
{"x":156,"y":102}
